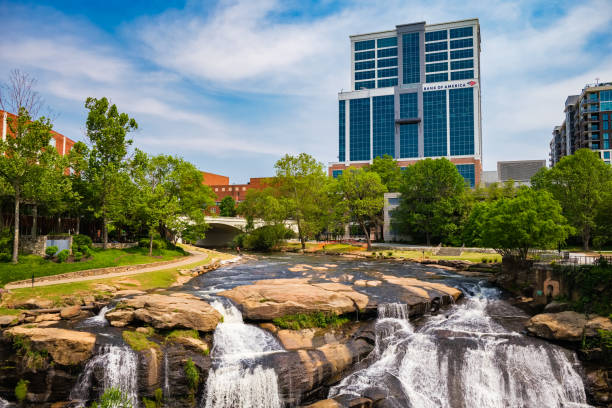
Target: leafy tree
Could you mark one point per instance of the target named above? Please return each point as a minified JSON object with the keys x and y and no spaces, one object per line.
{"x":30,"y":168}
{"x":107,"y":131}
{"x":263,"y":205}
{"x":360,"y":198}
{"x":301,"y":182}
{"x":388,"y":170}
{"x":581,"y":183}
{"x":227,"y":208}
{"x":433,"y":200}
{"x":532,"y":219}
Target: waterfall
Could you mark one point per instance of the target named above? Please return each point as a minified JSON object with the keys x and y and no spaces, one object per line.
{"x":166,"y":371}
{"x":466,"y":359}
{"x":238,"y":379}
{"x":5,"y":404}
{"x":97,"y":321}
{"x":119,"y":365}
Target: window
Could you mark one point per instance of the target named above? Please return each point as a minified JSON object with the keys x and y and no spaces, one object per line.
{"x":436,"y":46}
{"x":390,"y":72}
{"x":434,"y":123}
{"x":216,"y":189}
{"x":389,"y":62}
{"x":393,"y":200}
{"x":383,"y":126}
{"x":462,"y":74}
{"x":437,"y":77}
{"x":410,"y":58}
{"x":466,"y":42}
{"x":606,"y":155}
{"x":364,"y":45}
{"x":359,"y":129}
{"x":408,"y":105}
{"x":462,"y":54}
{"x":604,"y":116}
{"x":462,"y":64}
{"x":360,"y":56}
{"x":605,"y":126}
{"x":440,"y":66}
{"x":595,"y":145}
{"x":461,"y":32}
{"x":595,"y":136}
{"x":436,"y":35}
{"x":409,"y":133}
{"x":229,"y":189}
{"x":383,"y":83}
{"x":606,"y":145}
{"x":461,"y":116}
{"x":243,"y":188}
{"x":593,"y":96}
{"x":365,"y":85}
{"x":606,"y":136}
{"x":222,"y":188}
{"x":336,"y":173}
{"x":438,"y":56}
{"x":387,"y":52}
{"x":594,"y":126}
{"x":364,"y":65}
{"x":467,"y":171}
{"x":364,"y":75}
{"x":387,"y":42}
{"x":341,"y":130}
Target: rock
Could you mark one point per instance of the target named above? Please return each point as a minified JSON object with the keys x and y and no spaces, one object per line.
{"x":34,"y":303}
{"x":196,"y":345}
{"x":556,"y":307}
{"x":599,"y":385}
{"x":269,"y":299}
{"x":6,"y":320}
{"x":166,"y":312}
{"x":129,"y":292}
{"x":70,"y":312}
{"x":595,"y":324}
{"x":66,"y":347}
{"x":143,"y":330}
{"x":104,"y":288}
{"x":426,"y":290}
{"x":566,"y":326}
{"x":47,"y":317}
{"x":328,"y":403}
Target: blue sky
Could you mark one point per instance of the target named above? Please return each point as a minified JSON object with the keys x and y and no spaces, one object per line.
{"x":233,"y":85}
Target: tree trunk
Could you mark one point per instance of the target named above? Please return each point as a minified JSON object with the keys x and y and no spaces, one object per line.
{"x":16,"y":232}
{"x":105,"y":233}
{"x":34,"y":221}
{"x":428,"y":238}
{"x":586,"y":237}
{"x":151,"y":244}
{"x":367,"y":234}
{"x":78,"y":225}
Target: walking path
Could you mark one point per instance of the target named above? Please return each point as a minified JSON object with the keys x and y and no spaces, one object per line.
{"x":196,"y":256}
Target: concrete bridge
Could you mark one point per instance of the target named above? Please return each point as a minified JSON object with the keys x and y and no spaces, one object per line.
{"x":224,"y":229}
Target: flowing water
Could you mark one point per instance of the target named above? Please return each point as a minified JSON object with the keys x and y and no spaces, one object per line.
{"x":98,"y":320}
{"x":239,"y":379}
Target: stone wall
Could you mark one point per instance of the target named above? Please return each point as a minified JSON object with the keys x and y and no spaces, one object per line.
{"x":33,"y":245}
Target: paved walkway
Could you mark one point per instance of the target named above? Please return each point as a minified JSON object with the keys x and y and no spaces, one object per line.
{"x":196,"y":256}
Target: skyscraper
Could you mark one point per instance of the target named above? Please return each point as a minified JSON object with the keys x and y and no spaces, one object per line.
{"x":415,"y":93}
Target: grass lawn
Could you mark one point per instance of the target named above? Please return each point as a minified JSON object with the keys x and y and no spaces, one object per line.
{"x":29,"y":264}
{"x":466,"y":256}
{"x":342,"y":247}
{"x":140,"y":281}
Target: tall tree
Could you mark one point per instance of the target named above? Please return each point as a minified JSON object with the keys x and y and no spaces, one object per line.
{"x":360,"y":198}
{"x":301,"y":182}
{"x":388,"y":170}
{"x":580,"y":182}
{"x":30,"y":166}
{"x":227,"y":208}
{"x":433,"y":200}
{"x":19,"y":93}
{"x":107,"y":131}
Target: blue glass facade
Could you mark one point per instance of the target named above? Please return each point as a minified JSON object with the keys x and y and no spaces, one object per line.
{"x":364,"y":75}
{"x":365,"y":55}
{"x":411,"y":58}
{"x":461,"y":32}
{"x":434,"y":123}
{"x":364,"y":65}
{"x":387,"y":52}
{"x":336,"y":173}
{"x":389,"y":72}
{"x":466,"y":42}
{"x":383,"y":125}
{"x":364,"y":45}
{"x":409,"y":133}
{"x":386,"y":42}
{"x":468,"y":173}
{"x":436,"y":77}
{"x":438,"y":66}
{"x":455,"y":75}
{"x":436,"y":35}
{"x":463,"y":64}
{"x":436,"y":56}
{"x":388,"y":62}
{"x":365,"y":85}
{"x":341,"y":130}
{"x":462,"y":54}
{"x":383,"y":83}
{"x":409,"y":105}
{"x":461,"y":118}
{"x":359,"y":144}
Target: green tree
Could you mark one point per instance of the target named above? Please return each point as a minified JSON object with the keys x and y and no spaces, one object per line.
{"x":107,"y":130}
{"x":30,"y":168}
{"x":360,"y":198}
{"x":227,"y":208}
{"x":513,"y":226}
{"x":581,"y":183}
{"x":388,"y":170}
{"x":263,"y":205}
{"x":301,"y":182}
{"x":433,"y":200}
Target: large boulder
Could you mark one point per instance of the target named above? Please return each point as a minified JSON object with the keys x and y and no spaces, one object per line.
{"x":66,"y":347}
{"x":269,"y":299}
{"x":166,"y":312}
{"x":566,"y":326}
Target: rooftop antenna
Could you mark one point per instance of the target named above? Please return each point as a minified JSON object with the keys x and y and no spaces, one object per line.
{"x":596,"y":81}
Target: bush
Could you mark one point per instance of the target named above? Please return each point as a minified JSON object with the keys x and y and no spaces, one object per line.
{"x":306,"y":321}
{"x":81,"y":241}
{"x":113,"y":398}
{"x":6,"y":244}
{"x":157,"y":243}
{"x":77,"y":256}
{"x":262,"y":239}
{"x":192,"y":375}
{"x":63,"y":255}
{"x":21,"y":390}
{"x":51,"y":251}
{"x":87,"y":252}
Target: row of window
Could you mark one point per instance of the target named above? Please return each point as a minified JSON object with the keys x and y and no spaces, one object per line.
{"x":429,"y":36}
{"x":230,"y":188}
{"x":411,"y":68}
{"x":384,"y":53}
{"x":441,"y":46}
{"x":388,"y":62}
{"x":596,"y":145}
{"x":341,"y":130}
{"x":380,"y":43}
{"x":382,"y":83}
{"x":455,"y":76}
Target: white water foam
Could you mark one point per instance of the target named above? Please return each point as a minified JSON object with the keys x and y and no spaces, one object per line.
{"x":239,"y":380}
{"x":119,"y":365}
{"x":98,"y":320}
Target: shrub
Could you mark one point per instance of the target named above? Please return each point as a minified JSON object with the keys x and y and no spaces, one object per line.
{"x":51,"y":251}
{"x":157,"y":243}
{"x":262,"y":239}
{"x":21,"y":390}
{"x":63,"y":255}
{"x":306,"y":321}
{"x":159,"y":397}
{"x":192,"y":375}
{"x":87,"y":252}
{"x":81,"y":241}
{"x":138,"y":341}
{"x":6,"y":244}
{"x":113,"y":398}
{"x":77,"y":256}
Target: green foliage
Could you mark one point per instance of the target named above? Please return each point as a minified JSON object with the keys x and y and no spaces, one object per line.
{"x":138,"y":341}
{"x":174,"y":334}
{"x":6,"y":244}
{"x":51,"y":251}
{"x":513,"y":226}
{"x":32,"y":359}
{"x":148,"y":403}
{"x":388,"y":170}
{"x":159,"y":397}
{"x":433,"y":201}
{"x":594,"y":284}
{"x":21,"y":390}
{"x":227,"y":208}
{"x":77,"y":256}
{"x":81,"y":244}
{"x":192,"y":375}
{"x":63,"y":255}
{"x":305,"y":321}
{"x":582,"y":183}
{"x":263,"y":238}
{"x":157,"y":243}
{"x":113,"y":398}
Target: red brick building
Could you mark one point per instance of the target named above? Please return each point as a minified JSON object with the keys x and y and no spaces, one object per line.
{"x":61,"y":143}
{"x":222,"y":188}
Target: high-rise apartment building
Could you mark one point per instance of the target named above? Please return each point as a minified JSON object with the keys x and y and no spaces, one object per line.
{"x":587,"y":124}
{"x":415,"y":93}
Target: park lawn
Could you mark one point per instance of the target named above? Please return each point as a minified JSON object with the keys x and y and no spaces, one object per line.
{"x":29,"y":264}
{"x":298,"y":245}
{"x":342,"y":247}
{"x":466,"y":256}
{"x":138,"y":281}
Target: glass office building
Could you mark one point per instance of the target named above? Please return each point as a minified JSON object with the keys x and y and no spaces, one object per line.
{"x":415,"y":93}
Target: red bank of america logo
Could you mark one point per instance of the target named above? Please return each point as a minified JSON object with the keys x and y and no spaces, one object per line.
{"x":471,"y":83}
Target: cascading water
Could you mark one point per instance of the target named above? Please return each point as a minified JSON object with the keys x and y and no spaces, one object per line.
{"x":119,"y":365}
{"x":99,"y":320}
{"x":465,"y":359}
{"x":238,"y":379}
{"x":5,"y":404}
